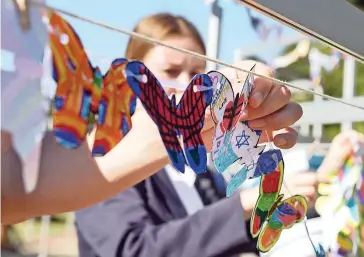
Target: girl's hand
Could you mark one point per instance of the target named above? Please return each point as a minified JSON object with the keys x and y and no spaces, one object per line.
{"x":341,"y":148}
{"x":269,"y":106}
{"x":301,"y":183}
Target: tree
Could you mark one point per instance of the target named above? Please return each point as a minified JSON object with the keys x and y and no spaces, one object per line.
{"x":357,"y":3}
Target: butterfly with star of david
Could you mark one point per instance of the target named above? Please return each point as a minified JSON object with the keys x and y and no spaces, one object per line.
{"x":242,"y":139}
{"x":234,"y":141}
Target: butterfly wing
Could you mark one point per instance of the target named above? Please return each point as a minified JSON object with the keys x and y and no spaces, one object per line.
{"x":159,"y":108}
{"x":190,"y":118}
{"x":236,"y":181}
{"x":270,"y":186}
{"x":116,"y":107}
{"x":360,"y":191}
{"x":245,"y":139}
{"x":234,"y":109}
{"x":76,"y":92}
{"x":267,"y":162}
{"x":223,"y":94}
{"x":346,"y":237}
{"x":223,"y":98}
{"x":244,"y":146}
{"x":226,"y":155}
{"x":287,"y":213}
{"x":247,"y":88}
{"x":245,"y":143}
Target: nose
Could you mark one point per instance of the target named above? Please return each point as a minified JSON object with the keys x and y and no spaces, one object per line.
{"x":184,"y":78}
{"x":169,"y":91}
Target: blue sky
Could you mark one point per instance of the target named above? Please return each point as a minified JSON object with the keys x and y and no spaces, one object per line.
{"x":235,"y":29}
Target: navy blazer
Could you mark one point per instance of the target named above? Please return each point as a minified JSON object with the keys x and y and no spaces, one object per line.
{"x":149,"y":220}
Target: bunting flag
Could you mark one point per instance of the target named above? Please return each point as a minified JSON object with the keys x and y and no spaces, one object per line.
{"x":319,"y":61}
{"x":301,"y":50}
{"x":262,"y":29}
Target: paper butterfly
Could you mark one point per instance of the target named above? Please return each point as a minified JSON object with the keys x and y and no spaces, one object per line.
{"x":82,"y":90}
{"x":226,"y":110}
{"x":233,"y":140}
{"x":346,"y":237}
{"x":185,"y":119}
{"x":341,"y":202}
{"x":266,"y":163}
{"x":270,"y":207}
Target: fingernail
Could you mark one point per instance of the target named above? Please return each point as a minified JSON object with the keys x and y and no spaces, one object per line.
{"x":244,"y":115}
{"x":257,"y":99}
{"x":257,"y":123}
{"x":280,"y":141}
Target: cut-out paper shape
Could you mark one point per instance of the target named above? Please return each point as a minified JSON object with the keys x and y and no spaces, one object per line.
{"x":185,"y":119}
{"x":117,"y":105}
{"x":265,"y":164}
{"x":79,"y":85}
{"x":278,"y":214}
{"x":235,"y":141}
{"x":301,"y":50}
{"x":319,"y":61}
{"x":341,"y":202}
{"x":226,"y":110}
{"x":345,"y":238}
{"x":83,"y":90}
{"x":262,"y":29}
{"x":360,"y":189}
{"x":22,"y":101}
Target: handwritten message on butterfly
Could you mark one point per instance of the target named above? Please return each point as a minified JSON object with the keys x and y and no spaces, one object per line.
{"x":234,"y":141}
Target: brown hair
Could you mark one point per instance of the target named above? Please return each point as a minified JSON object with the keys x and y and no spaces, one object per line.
{"x":160,"y":26}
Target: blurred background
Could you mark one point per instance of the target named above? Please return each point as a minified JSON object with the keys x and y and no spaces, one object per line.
{"x":230,"y":34}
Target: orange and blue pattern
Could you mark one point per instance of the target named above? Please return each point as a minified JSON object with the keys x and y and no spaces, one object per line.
{"x":117,"y":105}
{"x":78,"y":89}
{"x":82,"y":90}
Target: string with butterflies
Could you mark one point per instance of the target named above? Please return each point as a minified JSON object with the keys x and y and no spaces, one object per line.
{"x":126,"y":80}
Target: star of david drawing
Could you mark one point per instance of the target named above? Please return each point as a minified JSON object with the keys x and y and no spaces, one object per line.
{"x":242,"y":140}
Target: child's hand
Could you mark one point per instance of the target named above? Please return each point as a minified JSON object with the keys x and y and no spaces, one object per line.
{"x":270,"y":107}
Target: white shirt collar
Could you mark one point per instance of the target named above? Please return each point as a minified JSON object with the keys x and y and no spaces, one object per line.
{"x":184,"y":184}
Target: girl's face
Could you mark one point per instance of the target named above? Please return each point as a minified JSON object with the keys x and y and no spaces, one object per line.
{"x":170,"y":65}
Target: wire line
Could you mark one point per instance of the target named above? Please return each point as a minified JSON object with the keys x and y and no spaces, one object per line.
{"x":186,"y":51}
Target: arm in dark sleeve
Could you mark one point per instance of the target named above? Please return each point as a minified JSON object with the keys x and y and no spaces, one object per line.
{"x":121,"y":226}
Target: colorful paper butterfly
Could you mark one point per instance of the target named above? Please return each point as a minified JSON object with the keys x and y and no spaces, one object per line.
{"x":233,"y":140}
{"x":226,"y":110}
{"x":82,"y":90}
{"x":266,"y":163}
{"x":278,"y":214}
{"x":185,"y":119}
{"x":341,"y":202}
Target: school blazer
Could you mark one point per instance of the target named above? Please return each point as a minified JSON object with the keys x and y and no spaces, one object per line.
{"x":149,"y":220}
